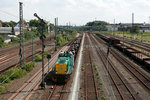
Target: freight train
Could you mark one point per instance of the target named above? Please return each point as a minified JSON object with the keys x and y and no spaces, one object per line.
{"x":65,"y":63}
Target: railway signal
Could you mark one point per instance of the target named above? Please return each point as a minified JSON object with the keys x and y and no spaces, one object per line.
{"x":42,"y":37}
{"x":48,"y":57}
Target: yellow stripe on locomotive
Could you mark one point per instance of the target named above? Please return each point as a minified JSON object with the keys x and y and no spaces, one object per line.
{"x":61,"y":68}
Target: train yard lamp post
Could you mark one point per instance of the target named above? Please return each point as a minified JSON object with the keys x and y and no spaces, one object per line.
{"x":42,"y":37}
{"x":48,"y":57}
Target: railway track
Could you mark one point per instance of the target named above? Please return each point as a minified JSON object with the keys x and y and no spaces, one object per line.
{"x":32,"y":84}
{"x":11,"y":58}
{"x":133,"y":69}
{"x":57,"y":92}
{"x":123,"y":90}
{"x":35,"y":80}
{"x":135,"y":43}
{"x":91,"y":92}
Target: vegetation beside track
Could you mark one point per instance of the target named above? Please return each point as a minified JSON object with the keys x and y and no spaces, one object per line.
{"x":38,"y":57}
{"x":27,"y":36}
{"x":100,"y":83}
{"x":14,"y":73}
{"x":136,"y":36}
{"x":63,"y":38}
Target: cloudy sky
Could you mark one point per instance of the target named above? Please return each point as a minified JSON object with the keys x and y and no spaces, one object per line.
{"x":78,"y":12}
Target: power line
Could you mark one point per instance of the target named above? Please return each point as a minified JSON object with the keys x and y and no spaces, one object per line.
{"x":10,"y":14}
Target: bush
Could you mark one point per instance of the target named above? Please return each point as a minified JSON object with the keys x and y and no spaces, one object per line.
{"x":45,"y":53}
{"x":100,"y":83}
{"x":29,"y":66}
{"x":4,"y":79}
{"x":2,"y":88}
{"x":97,"y":74}
{"x":103,"y":98}
{"x":15,"y":73}
{"x":15,"y":40}
{"x":2,"y":39}
{"x":38,"y":58}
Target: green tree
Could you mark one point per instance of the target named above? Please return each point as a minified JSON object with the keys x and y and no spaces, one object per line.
{"x":13,"y":31}
{"x":135,"y":29}
{"x":51,"y":26}
{"x":8,"y":24}
{"x":2,"y":39}
{"x":96,"y":26}
{"x":34,"y":23}
{"x":5,"y":24}
{"x":12,"y":23}
{"x":96,"y":23}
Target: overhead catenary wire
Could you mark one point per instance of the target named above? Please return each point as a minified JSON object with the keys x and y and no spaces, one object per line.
{"x":12,"y":15}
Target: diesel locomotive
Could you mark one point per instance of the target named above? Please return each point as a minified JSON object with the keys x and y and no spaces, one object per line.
{"x":63,"y":68}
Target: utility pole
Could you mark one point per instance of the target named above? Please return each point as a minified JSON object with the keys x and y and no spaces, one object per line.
{"x":113,"y":27}
{"x":132,"y":25}
{"x":21,"y":50}
{"x":42,"y":37}
{"x":49,"y":32}
{"x":56,"y":22}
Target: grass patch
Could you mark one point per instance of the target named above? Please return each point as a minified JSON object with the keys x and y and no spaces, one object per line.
{"x":82,"y":68}
{"x":45,"y":53}
{"x":95,"y":66}
{"x":29,"y":66}
{"x":2,"y":88}
{"x":99,"y":88}
{"x":14,"y":73}
{"x":103,"y":97}
{"x":97,"y":74}
{"x":4,"y":79}
{"x":102,"y":90}
{"x":130,"y":78}
{"x":38,"y":58}
{"x":98,"y":77}
{"x":100,"y":83}
{"x":137,"y":36}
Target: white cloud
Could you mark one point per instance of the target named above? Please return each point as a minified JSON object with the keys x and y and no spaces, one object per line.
{"x":81,"y":11}
{"x":142,"y":2}
{"x":73,"y":2}
{"x":33,"y":1}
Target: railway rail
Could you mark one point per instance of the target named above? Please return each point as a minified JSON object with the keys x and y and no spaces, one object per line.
{"x":91,"y":92}
{"x":10,"y":58}
{"x":123,"y":90}
{"x":135,"y":43}
{"x":57,"y":92}
{"x":142,"y":78}
{"x":133,"y":69}
{"x":33,"y":83}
